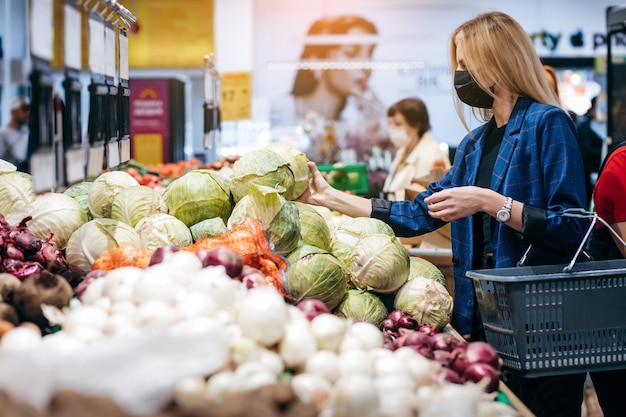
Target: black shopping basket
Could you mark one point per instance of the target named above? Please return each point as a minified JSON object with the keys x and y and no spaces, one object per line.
{"x":556,"y":319}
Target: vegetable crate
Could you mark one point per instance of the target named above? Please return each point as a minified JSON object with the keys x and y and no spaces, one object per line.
{"x":351,"y":177}
{"x":544,"y":321}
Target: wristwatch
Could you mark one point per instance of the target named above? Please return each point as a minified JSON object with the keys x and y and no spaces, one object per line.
{"x":504,"y":214}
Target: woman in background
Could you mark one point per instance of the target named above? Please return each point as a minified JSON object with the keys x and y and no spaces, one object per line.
{"x":417,"y":151}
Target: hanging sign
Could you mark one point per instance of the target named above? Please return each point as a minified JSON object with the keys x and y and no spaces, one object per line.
{"x":236,"y":97}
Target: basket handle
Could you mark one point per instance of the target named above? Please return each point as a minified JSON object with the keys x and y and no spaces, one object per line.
{"x":579,"y":213}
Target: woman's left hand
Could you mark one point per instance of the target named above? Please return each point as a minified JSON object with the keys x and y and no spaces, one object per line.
{"x":455,"y":203}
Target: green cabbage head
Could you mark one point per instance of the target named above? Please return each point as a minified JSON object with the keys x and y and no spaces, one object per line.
{"x":57,"y":214}
{"x":262,"y":167}
{"x":136,"y":203}
{"x":314,"y":228}
{"x":362,"y":305}
{"x":162,"y":229}
{"x":16,"y":194}
{"x":80,"y":192}
{"x":379,"y":263}
{"x":297,"y":164}
{"x":279,"y":216}
{"x":199,"y":195}
{"x":315,"y":273}
{"x":97,"y":237}
{"x":420,"y":267}
{"x":208,"y":228}
{"x":426,"y":300}
{"x":345,"y":236}
{"x":104,"y":189}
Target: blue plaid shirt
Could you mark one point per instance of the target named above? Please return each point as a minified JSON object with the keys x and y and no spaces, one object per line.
{"x":539,"y":163}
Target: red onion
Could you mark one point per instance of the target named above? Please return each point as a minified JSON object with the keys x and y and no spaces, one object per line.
{"x":407,"y":322}
{"x":89,"y":278}
{"x":389,"y":324}
{"x":477,"y":371}
{"x":428,"y":329}
{"x":159,"y":254}
{"x":10,"y":251}
{"x":252,"y":277}
{"x":482,"y":352}
{"x":417,"y":339}
{"x":21,"y":270}
{"x":458,"y":361}
{"x":442,"y":356}
{"x":444,"y":341}
{"x":396,"y":315}
{"x":425,"y":351}
{"x":448,"y":375}
{"x":312,"y":308}
{"x":224,"y":256}
{"x":27,"y":242}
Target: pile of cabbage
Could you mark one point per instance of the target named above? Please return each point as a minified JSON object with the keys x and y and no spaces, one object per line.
{"x":382,"y":276}
{"x":90,"y":218}
{"x":359,"y":269}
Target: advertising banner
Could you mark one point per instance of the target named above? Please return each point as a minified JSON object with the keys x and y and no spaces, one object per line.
{"x":149,"y":120}
{"x":366,"y":55}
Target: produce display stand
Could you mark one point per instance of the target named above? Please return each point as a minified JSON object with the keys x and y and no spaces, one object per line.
{"x":514,"y":401}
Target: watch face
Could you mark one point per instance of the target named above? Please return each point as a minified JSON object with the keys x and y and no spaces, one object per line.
{"x":503,"y":216}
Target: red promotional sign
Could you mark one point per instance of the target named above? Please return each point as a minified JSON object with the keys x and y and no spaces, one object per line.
{"x":149,"y":120}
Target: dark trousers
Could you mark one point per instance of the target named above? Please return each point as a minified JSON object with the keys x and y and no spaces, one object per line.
{"x":550,"y":396}
{"x":611,"y":391}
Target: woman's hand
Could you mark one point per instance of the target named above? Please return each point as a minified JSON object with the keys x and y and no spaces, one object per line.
{"x":320,"y":193}
{"x":318,"y":188}
{"x":458,"y":202}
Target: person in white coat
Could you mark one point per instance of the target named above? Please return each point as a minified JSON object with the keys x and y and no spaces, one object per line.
{"x":417,"y":151}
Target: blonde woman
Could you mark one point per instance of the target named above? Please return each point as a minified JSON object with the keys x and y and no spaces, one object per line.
{"x":510,"y":179}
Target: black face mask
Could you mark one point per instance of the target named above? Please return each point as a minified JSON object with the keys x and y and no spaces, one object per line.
{"x":469,"y":92}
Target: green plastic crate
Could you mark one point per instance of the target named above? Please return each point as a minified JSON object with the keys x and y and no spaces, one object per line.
{"x":351,"y":177}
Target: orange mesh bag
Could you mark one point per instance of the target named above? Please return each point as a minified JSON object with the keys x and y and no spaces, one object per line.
{"x":248,"y":240}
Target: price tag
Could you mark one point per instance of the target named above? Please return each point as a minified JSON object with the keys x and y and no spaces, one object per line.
{"x":96,"y":158}
{"x":109,"y":52}
{"x":236,"y":96}
{"x":113,"y":154}
{"x":123,"y":43}
{"x":96,"y":46}
{"x":124,"y":150}
{"x":43,"y":170}
{"x":41,"y":33}
{"x":74,"y":165}
{"x":72,"y":49}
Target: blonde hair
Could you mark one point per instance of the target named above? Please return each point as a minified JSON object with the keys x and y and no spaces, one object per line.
{"x":497,"y":49}
{"x":553,"y":78}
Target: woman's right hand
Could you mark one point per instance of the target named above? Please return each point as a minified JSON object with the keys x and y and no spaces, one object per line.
{"x":318,"y":187}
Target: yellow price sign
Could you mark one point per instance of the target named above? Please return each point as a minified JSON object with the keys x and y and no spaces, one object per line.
{"x":236,"y":96}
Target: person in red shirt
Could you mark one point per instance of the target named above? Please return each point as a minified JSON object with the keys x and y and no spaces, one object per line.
{"x":609,"y":198}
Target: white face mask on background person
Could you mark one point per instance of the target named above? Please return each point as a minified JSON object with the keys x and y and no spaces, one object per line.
{"x":399,"y":137}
